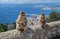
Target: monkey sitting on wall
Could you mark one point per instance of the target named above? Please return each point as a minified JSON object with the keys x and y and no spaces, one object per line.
{"x":42,"y":20}
{"x":21,"y":22}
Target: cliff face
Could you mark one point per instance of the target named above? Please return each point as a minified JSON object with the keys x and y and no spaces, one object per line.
{"x":50,"y":30}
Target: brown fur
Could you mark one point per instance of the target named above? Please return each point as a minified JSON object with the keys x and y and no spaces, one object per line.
{"x":42,"y":19}
{"x":21,"y":21}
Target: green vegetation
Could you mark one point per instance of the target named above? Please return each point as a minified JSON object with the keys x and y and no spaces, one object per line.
{"x":3,"y":27}
{"x":53,"y":16}
{"x":32,"y":23}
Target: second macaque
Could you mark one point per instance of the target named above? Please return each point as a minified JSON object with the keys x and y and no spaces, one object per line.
{"x":21,"y":22}
{"x":42,"y":20}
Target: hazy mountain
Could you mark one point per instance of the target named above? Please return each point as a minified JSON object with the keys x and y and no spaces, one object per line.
{"x":32,"y":5}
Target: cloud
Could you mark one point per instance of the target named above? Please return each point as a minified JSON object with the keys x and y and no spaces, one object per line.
{"x":46,"y":8}
{"x":7,"y":1}
{"x":28,"y":1}
{"x":50,"y":8}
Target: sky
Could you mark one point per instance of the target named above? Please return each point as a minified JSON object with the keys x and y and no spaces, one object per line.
{"x":29,"y":1}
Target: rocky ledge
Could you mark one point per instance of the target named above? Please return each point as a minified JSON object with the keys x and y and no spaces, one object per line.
{"x":50,"y":30}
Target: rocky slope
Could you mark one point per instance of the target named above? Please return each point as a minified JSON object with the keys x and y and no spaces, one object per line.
{"x":50,"y":29}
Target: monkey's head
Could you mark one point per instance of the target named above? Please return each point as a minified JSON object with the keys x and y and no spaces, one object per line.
{"x":42,"y":14}
{"x":22,"y":13}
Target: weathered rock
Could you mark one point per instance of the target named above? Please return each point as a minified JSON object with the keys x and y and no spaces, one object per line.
{"x":14,"y":34}
{"x":50,"y":30}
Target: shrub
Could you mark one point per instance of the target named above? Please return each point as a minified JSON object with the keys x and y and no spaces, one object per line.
{"x":53,"y":16}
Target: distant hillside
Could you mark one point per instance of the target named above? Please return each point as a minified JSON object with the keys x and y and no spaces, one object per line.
{"x":31,"y":5}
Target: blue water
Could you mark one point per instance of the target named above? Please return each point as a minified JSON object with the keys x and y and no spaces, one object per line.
{"x":9,"y":14}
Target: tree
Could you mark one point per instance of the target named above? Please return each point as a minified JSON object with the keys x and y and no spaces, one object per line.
{"x":3,"y":27}
{"x":58,"y":15}
{"x":53,"y":16}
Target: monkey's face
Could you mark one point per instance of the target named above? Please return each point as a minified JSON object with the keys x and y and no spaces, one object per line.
{"x":22,"y":14}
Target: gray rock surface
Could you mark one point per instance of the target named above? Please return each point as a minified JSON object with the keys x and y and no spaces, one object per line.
{"x":50,"y":30}
{"x":14,"y":34}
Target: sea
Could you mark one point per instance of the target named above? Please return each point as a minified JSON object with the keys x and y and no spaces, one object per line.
{"x":10,"y":12}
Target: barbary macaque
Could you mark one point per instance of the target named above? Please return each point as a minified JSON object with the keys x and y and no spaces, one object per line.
{"x":42,"y":20}
{"x":21,"y":22}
